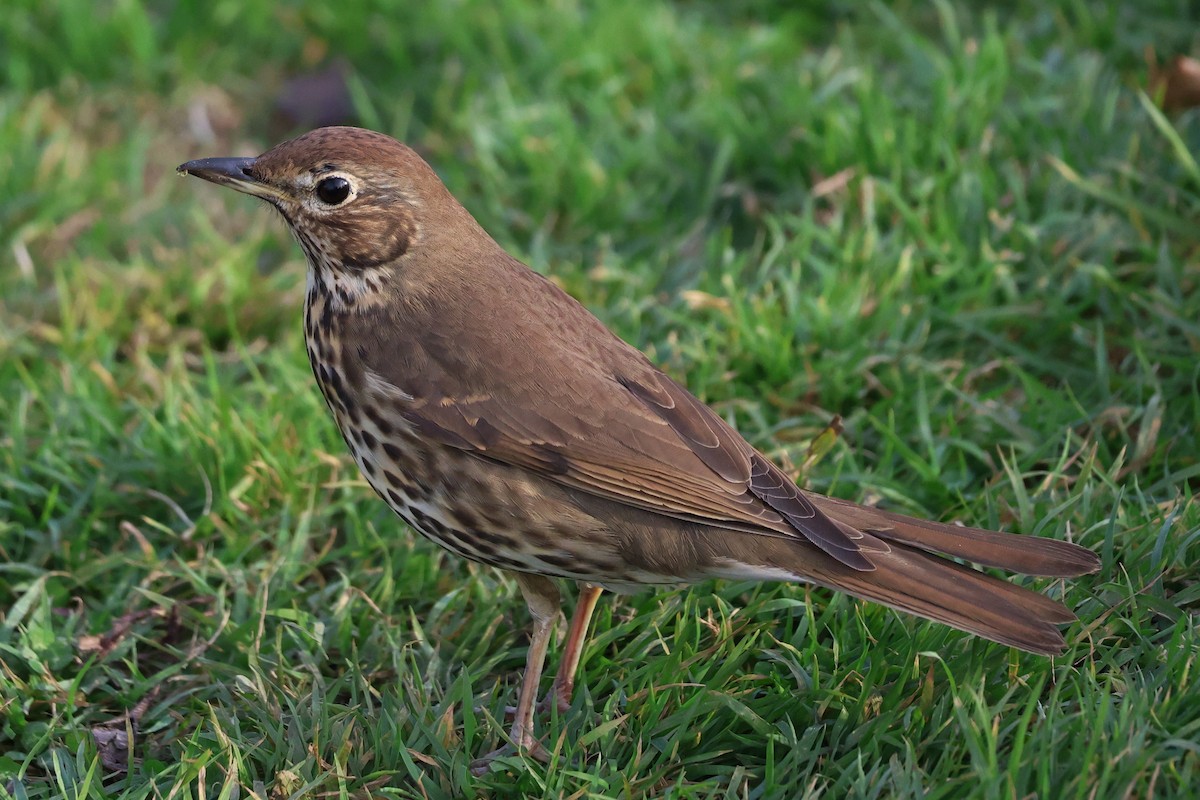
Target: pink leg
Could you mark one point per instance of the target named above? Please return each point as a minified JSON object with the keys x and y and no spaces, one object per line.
{"x":564,"y":680}
{"x":541,"y":595}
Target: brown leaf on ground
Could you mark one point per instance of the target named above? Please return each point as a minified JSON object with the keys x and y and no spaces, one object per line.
{"x":115,"y":737}
{"x":101,"y":645}
{"x":1175,"y":86}
{"x":113,"y":746}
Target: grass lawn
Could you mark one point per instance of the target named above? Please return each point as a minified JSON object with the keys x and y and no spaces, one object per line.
{"x":967,"y":233}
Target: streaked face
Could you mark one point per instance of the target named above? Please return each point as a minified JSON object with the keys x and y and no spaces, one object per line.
{"x":346,"y":200}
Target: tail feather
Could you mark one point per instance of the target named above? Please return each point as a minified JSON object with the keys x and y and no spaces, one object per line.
{"x":910,"y":575}
{"x":934,"y":588}
{"x":1027,"y":555}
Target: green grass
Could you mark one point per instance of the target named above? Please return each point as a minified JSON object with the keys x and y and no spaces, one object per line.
{"x":964,"y":232}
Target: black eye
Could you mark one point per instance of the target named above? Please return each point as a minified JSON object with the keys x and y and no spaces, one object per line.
{"x":333,"y":190}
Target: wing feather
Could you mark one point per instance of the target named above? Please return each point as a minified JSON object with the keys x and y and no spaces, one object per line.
{"x":553,"y":391}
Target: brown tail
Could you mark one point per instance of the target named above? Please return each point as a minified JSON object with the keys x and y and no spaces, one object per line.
{"x":1027,"y":555}
{"x":910,"y":576}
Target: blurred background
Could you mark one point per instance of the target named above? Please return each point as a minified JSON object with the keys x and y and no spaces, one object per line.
{"x":938,"y":256}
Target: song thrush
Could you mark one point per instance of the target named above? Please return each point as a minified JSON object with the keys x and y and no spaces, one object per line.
{"x":502,"y":420}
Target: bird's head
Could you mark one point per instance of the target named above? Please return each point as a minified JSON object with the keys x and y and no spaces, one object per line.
{"x":355,"y":199}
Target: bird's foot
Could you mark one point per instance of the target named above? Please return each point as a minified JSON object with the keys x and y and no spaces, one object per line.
{"x":552,"y":699}
{"x":531,"y":747}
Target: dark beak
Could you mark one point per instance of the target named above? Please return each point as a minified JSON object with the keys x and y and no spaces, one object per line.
{"x":236,"y":173}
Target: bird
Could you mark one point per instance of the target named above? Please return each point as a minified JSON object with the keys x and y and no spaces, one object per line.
{"x":502,"y":420}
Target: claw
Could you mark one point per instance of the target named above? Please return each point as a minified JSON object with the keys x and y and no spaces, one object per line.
{"x":532,"y":748}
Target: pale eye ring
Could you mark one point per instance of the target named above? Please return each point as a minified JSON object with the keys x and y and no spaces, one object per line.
{"x":333,"y":191}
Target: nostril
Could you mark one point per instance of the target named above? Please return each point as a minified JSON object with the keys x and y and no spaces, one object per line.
{"x":246,"y":171}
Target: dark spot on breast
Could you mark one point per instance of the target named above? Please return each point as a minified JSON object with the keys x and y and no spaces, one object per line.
{"x":467,"y":518}
{"x":432,"y":526}
{"x":381,"y":422}
{"x":493,"y":538}
{"x":506,"y":562}
{"x":327,"y":316}
{"x":339,"y":387}
{"x":561,"y":560}
{"x":334,"y":404}
{"x":395,"y":480}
